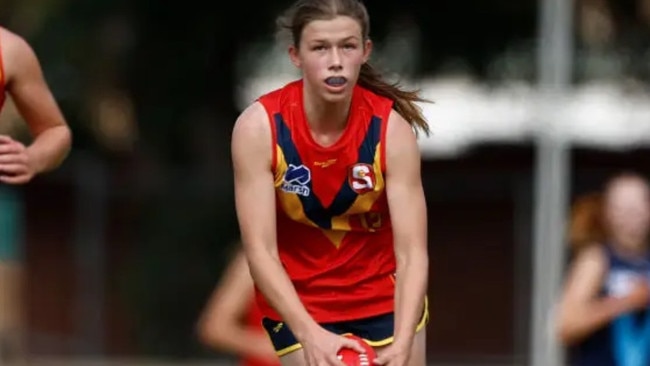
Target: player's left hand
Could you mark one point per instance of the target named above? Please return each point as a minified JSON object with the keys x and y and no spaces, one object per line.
{"x":395,"y":354}
{"x":15,"y":163}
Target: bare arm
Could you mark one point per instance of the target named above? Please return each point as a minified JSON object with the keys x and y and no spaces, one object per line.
{"x":255,"y":203}
{"x":580,"y":311}
{"x":222,"y":326}
{"x":27,"y":87}
{"x":409,"y":218}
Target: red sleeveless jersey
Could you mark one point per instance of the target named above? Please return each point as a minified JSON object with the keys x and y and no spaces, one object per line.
{"x":333,"y":226}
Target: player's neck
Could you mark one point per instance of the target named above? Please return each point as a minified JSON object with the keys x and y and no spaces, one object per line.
{"x":324,"y":117}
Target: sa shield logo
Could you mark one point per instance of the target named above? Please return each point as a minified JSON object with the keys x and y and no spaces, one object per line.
{"x":361,"y":178}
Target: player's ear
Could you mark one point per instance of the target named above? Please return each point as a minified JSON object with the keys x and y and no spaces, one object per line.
{"x":367,"y":50}
{"x":294,"y":56}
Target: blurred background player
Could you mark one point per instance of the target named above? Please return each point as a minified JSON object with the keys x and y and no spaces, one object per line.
{"x":232,"y":322}
{"x":602,"y":315}
{"x":22,"y":80}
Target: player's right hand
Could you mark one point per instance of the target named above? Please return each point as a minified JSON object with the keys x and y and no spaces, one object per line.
{"x":321,"y":347}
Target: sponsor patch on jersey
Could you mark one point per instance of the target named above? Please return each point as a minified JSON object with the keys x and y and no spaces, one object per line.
{"x":296,"y":179}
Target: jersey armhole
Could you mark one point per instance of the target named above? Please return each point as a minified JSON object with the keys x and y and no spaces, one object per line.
{"x":274,"y":138}
{"x":3,"y":77}
{"x":382,"y":138}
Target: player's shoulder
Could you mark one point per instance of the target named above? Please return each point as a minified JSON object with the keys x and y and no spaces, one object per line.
{"x":253,"y":118}
{"x":252,"y":127}
{"x":593,"y":256}
{"x":592,"y":250}
{"x":401,"y":144}
{"x":8,"y":36}
{"x":398,"y":127}
{"x":17,"y":54}
{"x":13,"y":43}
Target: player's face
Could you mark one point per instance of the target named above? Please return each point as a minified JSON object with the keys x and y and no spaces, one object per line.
{"x":627,"y":211}
{"x":330,"y":55}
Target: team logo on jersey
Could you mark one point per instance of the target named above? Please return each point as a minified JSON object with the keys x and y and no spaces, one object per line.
{"x":361,"y":178}
{"x":296,"y":179}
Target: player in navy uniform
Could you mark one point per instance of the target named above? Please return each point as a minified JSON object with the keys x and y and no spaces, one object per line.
{"x":602,"y":315}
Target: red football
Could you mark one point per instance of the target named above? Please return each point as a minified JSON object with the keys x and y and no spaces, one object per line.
{"x":351,"y":357}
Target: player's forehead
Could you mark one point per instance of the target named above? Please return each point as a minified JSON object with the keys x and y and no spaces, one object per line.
{"x":337,"y":29}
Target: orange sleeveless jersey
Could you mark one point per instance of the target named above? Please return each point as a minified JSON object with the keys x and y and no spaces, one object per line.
{"x":3,"y":91}
{"x":333,"y":226}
